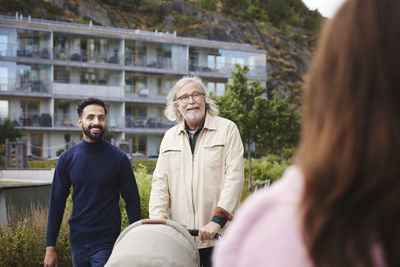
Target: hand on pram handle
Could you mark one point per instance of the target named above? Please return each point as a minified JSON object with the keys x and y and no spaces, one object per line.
{"x":195,"y":232}
{"x":192,"y":232}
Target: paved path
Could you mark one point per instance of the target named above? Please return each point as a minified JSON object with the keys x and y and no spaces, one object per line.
{"x":34,"y":176}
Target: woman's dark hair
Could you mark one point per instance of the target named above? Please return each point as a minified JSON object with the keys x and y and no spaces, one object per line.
{"x":350,"y":146}
{"x":90,"y":101}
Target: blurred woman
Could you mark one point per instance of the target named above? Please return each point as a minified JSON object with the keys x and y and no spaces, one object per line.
{"x":340,"y":204}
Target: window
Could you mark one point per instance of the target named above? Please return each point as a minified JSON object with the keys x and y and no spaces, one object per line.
{"x":193,"y":61}
{"x":216,"y":88}
{"x":97,"y":49}
{"x":135,"y":55}
{"x":3,"y":45}
{"x":4,"y":109}
{"x":102,"y":78}
{"x":136,"y":116}
{"x":140,"y":56}
{"x":238,"y":60}
{"x":61,"y":76}
{"x":215,"y":62}
{"x":30,"y":109}
{"x":164,"y":58}
{"x":37,"y":145}
{"x":28,"y":46}
{"x":139,"y":143}
{"x":3,"y":79}
{"x":129,"y":55}
{"x":62,"y":111}
{"x":62,"y":46}
{"x":164,"y":85}
{"x":133,"y":84}
{"x":88,"y":78}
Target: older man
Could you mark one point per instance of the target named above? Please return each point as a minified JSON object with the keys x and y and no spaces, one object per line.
{"x":198,"y":179}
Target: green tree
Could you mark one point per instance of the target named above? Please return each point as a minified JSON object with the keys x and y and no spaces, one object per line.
{"x":273,"y":124}
{"x":278,"y":126}
{"x":238,"y":104}
{"x":8,"y":131}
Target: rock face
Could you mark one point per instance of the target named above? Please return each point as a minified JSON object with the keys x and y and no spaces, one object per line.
{"x":95,"y":12}
{"x":59,"y":3}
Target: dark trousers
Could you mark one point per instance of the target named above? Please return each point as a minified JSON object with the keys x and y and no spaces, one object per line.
{"x":205,"y":256}
{"x":84,"y":255}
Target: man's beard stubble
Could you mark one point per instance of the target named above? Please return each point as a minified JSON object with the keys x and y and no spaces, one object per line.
{"x":90,"y":135}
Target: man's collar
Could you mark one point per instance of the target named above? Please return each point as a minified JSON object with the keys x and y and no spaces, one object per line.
{"x":209,"y":123}
{"x":201,"y":126}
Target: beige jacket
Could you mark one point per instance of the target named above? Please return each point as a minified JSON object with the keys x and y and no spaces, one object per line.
{"x":188,"y":188}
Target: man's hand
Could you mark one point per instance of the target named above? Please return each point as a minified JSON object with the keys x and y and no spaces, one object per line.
{"x":50,"y":260}
{"x":208,"y":231}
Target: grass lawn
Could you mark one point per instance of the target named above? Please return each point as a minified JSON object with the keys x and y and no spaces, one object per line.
{"x":9,"y":182}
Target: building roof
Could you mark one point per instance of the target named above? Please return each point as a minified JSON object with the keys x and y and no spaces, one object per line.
{"x":120,"y":33}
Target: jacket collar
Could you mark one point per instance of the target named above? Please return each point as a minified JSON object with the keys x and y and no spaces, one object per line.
{"x":209,"y":124}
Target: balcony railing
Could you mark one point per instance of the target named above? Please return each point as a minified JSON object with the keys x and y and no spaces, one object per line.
{"x":33,"y":120}
{"x":83,"y":56}
{"x":227,"y":68}
{"x":144,"y":61}
{"x":141,"y":122}
{"x":14,"y":50}
{"x":38,"y":87}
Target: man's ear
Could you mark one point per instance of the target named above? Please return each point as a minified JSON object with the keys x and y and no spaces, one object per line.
{"x":79,"y":122}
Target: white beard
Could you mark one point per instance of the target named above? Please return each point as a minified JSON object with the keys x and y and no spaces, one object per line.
{"x":194,"y":115}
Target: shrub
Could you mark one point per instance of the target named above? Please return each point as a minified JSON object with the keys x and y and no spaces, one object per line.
{"x":59,"y":152}
{"x":269,"y":167}
{"x":46,"y":164}
{"x":149,"y":164}
{"x":143,"y":181}
{"x":23,"y":241}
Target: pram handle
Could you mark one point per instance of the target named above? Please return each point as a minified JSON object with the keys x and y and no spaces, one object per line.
{"x":195,"y":232}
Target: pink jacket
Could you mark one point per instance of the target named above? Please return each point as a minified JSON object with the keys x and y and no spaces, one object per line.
{"x":266,"y":230}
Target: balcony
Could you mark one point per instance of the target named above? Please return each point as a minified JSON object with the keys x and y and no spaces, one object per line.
{"x":68,"y":120}
{"x":85,"y":90}
{"x":36,"y":120}
{"x":225,"y":69}
{"x":152,"y":123}
{"x":14,"y":50}
{"x":22,"y":88}
{"x":84,"y":56}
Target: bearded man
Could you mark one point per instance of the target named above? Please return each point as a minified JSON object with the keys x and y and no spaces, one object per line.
{"x":198,"y":179}
{"x":99,"y":173}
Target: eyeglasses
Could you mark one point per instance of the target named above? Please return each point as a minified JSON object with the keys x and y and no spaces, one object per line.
{"x":185,"y":98}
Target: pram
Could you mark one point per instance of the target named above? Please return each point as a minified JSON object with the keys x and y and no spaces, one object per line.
{"x":154,"y":243}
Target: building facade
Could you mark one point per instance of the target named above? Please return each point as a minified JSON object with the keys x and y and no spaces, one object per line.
{"x":48,"y":67}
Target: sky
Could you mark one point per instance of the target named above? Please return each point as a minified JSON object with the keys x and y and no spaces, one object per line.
{"x":327,"y":8}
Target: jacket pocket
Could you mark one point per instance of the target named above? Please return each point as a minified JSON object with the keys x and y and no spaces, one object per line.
{"x":174,"y":161}
{"x":214,"y":156}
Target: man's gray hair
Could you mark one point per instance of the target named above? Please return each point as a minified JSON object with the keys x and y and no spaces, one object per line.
{"x":172,"y":112}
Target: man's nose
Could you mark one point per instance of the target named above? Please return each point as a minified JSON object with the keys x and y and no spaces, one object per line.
{"x":191,"y":100}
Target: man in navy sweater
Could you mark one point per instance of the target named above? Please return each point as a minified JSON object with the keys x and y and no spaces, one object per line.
{"x":98,"y":173}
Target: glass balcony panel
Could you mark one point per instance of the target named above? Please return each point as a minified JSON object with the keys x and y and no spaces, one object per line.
{"x":65,"y":118}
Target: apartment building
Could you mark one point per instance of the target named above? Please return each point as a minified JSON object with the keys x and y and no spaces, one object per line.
{"x":48,"y":67}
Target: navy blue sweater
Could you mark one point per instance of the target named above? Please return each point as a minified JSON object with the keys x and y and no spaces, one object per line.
{"x":98,"y":173}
